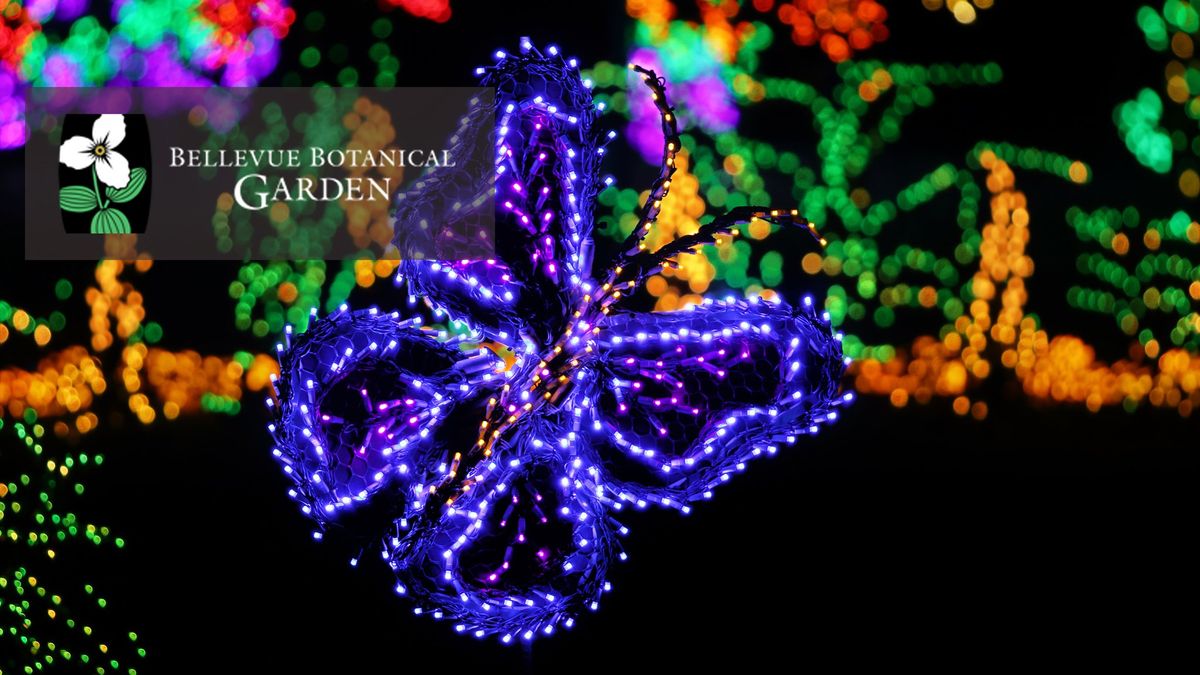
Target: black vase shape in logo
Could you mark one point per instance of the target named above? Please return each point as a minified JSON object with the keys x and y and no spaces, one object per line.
{"x":104,"y":174}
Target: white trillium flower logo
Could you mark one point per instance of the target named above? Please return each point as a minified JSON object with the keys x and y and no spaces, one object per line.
{"x":81,"y":152}
{"x":122,"y":184}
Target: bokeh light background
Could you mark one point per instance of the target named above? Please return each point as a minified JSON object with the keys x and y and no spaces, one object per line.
{"x":1009,"y":194}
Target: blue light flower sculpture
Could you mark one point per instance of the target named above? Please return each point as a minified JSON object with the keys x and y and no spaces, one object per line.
{"x":490,"y":465}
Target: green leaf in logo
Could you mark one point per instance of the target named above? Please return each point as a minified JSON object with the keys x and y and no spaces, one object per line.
{"x":77,"y":199}
{"x":137,"y":180}
{"x":110,"y":221}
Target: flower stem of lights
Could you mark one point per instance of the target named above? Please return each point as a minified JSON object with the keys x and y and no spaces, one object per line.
{"x":1144,"y":276}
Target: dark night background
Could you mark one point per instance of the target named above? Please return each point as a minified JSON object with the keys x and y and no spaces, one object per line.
{"x":906,"y":538}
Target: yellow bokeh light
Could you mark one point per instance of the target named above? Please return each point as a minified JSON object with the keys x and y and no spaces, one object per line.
{"x":1078,"y":172}
{"x":1181,"y":45}
{"x":1189,"y":183}
{"x":811,"y":263}
{"x":1120,"y":244}
{"x":964,"y":12}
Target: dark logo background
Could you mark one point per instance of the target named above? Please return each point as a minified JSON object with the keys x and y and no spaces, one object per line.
{"x":135,"y":148}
